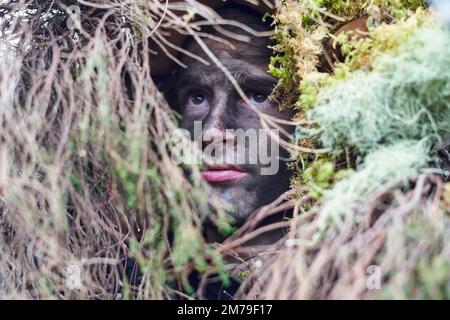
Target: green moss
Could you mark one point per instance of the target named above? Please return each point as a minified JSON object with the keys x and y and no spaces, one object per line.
{"x":321,"y":176}
{"x":279,"y":69}
{"x":299,"y":45}
{"x":381,"y":165}
{"x":386,"y":39}
{"x":403,"y":97}
{"x":345,"y":8}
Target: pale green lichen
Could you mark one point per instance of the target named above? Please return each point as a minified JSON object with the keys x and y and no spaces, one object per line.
{"x":384,"y":164}
{"x":404,"y":97}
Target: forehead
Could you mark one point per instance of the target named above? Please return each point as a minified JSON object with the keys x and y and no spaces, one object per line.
{"x":243,"y":72}
{"x":241,"y":59}
{"x":256,"y":51}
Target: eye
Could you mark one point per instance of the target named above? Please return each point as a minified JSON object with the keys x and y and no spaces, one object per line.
{"x":197,"y":99}
{"x":258,"y":97}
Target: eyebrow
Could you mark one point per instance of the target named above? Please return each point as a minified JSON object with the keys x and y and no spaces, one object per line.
{"x":244,"y":79}
{"x":253,"y":81}
{"x":199,"y":76}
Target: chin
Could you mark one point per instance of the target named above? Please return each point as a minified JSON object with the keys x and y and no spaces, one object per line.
{"x":250,"y":193}
{"x":242,"y":200}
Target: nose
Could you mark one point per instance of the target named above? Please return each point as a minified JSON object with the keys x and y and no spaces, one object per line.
{"x":219,"y":120}
{"x":216,"y":133}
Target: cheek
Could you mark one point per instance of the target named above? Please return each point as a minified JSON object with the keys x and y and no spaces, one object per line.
{"x":246,"y":118}
{"x":192,"y":114}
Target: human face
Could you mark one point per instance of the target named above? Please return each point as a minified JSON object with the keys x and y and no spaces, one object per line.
{"x":205,"y":95}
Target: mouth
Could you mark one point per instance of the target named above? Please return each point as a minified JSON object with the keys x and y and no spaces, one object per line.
{"x":216,"y":174}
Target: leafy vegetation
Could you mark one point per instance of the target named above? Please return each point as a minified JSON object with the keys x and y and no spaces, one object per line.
{"x":382,"y":114}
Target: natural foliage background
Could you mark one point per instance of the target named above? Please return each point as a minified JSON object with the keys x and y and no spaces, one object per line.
{"x":87,"y":179}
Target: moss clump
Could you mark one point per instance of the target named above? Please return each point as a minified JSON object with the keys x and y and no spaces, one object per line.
{"x":391,"y":116}
{"x":386,"y":39}
{"x":381,"y":165}
{"x":304,"y":43}
{"x":321,"y":175}
{"x":403,"y":97}
{"x":301,"y":44}
{"x":303,"y":25}
{"x":381,"y":40}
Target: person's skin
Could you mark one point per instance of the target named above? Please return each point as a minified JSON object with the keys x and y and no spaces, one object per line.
{"x":204,"y":93}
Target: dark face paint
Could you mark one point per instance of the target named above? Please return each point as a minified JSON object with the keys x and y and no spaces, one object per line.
{"x":204,"y":93}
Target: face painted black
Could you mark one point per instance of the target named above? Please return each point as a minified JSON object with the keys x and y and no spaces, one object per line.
{"x":204,"y":93}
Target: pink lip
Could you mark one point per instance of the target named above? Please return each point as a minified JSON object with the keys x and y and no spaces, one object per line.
{"x":222,"y":174}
